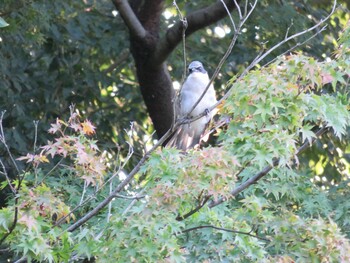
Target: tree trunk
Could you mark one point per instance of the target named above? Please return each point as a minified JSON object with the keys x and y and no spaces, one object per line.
{"x":154,"y":79}
{"x":142,"y":17}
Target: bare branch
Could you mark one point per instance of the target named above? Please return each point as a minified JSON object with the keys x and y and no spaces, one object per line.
{"x":136,"y":197}
{"x":3,"y":141}
{"x":224,"y":229}
{"x":130,"y":19}
{"x":296,"y":45}
{"x":36,"y":123}
{"x":286,"y":39}
{"x":239,"y":10}
{"x":228,"y":12}
{"x":184,"y":27}
{"x":13,"y":190}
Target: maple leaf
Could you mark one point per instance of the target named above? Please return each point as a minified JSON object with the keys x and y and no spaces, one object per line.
{"x":50,"y":149}
{"x":28,"y":221}
{"x":56,"y":126}
{"x":326,"y":78}
{"x":29,"y":157}
{"x":83,"y":157}
{"x":75,"y":126}
{"x":89,"y":179}
{"x":88,"y":128}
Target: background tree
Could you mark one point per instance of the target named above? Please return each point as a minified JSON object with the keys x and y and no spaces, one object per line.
{"x":77,"y":53}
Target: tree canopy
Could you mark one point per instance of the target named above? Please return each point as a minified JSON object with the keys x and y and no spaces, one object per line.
{"x":88,"y":91}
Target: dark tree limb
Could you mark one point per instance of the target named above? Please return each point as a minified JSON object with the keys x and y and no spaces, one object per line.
{"x":195,"y":21}
{"x":131,"y":21}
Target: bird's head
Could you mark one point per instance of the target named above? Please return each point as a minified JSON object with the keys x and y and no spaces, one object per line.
{"x":196,"y":66}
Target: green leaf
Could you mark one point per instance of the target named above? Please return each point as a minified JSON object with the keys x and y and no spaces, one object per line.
{"x":3,"y":22}
{"x":307,"y":133}
{"x":6,"y":218}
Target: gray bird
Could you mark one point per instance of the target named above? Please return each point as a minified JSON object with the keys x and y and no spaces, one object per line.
{"x":188,"y":135}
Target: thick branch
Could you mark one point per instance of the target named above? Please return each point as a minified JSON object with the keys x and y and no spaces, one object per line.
{"x":130,"y":19}
{"x":195,"y":21}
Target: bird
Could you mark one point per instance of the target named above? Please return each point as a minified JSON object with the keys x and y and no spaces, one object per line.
{"x":188,"y":135}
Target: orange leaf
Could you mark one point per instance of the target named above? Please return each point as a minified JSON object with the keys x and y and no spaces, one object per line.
{"x":88,"y":128}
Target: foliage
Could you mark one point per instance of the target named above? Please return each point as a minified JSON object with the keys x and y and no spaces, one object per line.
{"x":177,"y":215}
{"x":180,"y":207}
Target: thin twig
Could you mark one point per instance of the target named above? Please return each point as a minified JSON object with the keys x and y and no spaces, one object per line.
{"x":136,"y":197}
{"x":239,"y":10}
{"x":226,"y":230}
{"x":3,"y":140}
{"x":285,"y":40}
{"x":228,"y":12}
{"x":36,"y":123}
{"x":184,"y":27}
{"x":134,"y":200}
{"x":13,"y":190}
{"x":295,"y":46}
{"x":195,"y":210}
{"x":123,"y":56}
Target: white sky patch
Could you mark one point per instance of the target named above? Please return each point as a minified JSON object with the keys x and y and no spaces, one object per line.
{"x":220,"y":32}
{"x":122,"y":175}
{"x":176,"y":85}
{"x":167,"y":14}
{"x":114,"y":13}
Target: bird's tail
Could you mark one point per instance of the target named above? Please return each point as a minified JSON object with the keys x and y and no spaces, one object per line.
{"x":184,"y":138}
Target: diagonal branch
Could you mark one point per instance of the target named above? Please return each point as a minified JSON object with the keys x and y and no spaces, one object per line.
{"x":266,"y":170}
{"x":195,"y":210}
{"x":132,"y":22}
{"x":196,"y":20}
{"x":120,"y":187}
